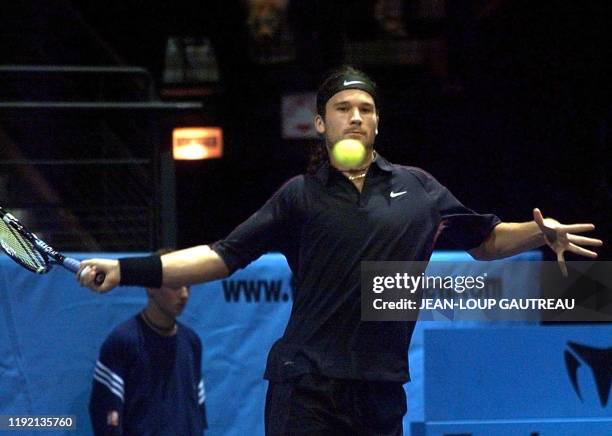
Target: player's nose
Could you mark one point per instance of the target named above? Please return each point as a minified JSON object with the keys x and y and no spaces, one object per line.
{"x":356,"y":116}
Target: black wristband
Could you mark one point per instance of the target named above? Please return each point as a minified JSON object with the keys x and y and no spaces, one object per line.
{"x":141,"y":271}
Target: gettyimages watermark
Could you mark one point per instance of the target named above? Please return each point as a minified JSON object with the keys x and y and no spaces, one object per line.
{"x":486,"y":291}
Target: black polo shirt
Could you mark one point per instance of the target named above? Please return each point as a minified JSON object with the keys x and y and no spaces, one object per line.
{"x":325,"y":227}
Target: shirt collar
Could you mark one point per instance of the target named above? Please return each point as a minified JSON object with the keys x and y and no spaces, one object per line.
{"x":324,"y":171}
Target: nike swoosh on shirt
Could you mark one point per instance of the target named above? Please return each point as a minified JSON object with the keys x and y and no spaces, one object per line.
{"x":352,"y":82}
{"x":396,"y":194}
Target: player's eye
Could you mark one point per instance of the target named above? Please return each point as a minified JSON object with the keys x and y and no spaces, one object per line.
{"x":367,"y":110}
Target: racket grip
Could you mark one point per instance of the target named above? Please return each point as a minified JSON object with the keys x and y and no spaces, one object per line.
{"x":70,"y":264}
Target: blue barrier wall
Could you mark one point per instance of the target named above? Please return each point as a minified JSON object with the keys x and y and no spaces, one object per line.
{"x":517,"y":380}
{"x":51,"y":329}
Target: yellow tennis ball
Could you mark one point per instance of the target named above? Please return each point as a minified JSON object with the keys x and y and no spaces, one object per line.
{"x":349,"y":153}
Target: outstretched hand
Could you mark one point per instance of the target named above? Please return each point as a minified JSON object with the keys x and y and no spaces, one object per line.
{"x":561,"y":238}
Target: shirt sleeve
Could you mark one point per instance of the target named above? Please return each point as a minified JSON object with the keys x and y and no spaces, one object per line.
{"x":106,"y":404}
{"x":264,"y":231}
{"x":466,"y":228}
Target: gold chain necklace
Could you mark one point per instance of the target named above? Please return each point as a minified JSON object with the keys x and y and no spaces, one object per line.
{"x":365,"y":170}
{"x":357,"y":176}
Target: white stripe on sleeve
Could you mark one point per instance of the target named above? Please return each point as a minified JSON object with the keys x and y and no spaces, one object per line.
{"x":108,"y":378}
{"x":201,"y":392}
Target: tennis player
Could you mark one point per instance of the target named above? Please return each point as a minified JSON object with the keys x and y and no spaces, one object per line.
{"x":148,"y":378}
{"x":331,"y":373}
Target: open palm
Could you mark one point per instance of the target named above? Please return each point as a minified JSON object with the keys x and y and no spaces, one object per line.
{"x":561,"y":238}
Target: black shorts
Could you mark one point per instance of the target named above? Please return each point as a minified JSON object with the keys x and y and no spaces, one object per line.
{"x":317,"y":405}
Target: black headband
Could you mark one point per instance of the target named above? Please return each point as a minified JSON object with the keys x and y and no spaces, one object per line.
{"x":345,"y":81}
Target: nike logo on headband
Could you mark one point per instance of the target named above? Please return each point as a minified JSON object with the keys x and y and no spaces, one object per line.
{"x":352,"y":82}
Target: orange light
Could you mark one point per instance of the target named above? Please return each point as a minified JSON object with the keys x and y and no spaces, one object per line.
{"x":194,"y":143}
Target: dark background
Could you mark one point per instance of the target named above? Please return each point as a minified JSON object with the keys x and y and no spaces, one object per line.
{"x":520,"y":118}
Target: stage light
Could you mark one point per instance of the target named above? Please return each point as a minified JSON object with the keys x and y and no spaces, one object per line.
{"x":196,"y":143}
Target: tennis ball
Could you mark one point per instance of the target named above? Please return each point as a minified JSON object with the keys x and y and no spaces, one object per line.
{"x":349,"y":153}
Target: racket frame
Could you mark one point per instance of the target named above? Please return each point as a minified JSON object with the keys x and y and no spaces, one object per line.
{"x":48,"y":253}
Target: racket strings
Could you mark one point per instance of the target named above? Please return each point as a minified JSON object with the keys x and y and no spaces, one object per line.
{"x":20,"y":249}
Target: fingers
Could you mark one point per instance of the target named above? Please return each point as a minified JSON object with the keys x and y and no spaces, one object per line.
{"x":86,"y":276}
{"x":560,"y":238}
{"x":83,"y":272}
{"x":576,"y":250}
{"x":561,"y":262}
{"x":537,"y":217}
{"x":576,"y":228}
{"x":582,"y":240}
{"x":99,"y":275}
{"x":568,"y":228}
{"x":581,"y":251}
{"x":86,"y":269}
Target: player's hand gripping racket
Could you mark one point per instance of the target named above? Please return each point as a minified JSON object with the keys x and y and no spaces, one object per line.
{"x":25,"y":248}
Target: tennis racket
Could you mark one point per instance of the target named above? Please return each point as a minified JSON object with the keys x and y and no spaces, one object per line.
{"x":32,"y":253}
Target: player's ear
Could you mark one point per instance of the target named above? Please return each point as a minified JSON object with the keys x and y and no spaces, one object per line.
{"x":319,"y":124}
{"x":376,"y":129}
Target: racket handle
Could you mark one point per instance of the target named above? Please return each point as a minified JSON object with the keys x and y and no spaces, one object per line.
{"x":71,"y":264}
